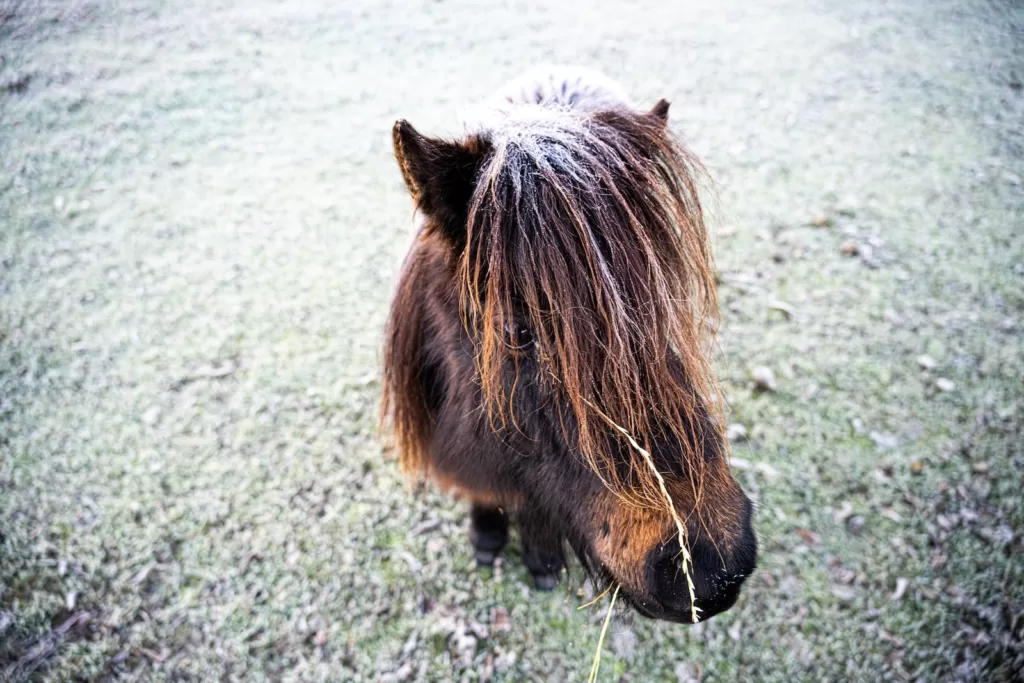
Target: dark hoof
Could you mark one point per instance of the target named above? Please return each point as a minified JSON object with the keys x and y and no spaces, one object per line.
{"x":545,"y":582}
{"x":485,"y":558}
{"x":488,"y":533}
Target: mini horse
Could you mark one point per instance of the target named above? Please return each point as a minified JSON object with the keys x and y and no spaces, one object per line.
{"x":547,"y":352}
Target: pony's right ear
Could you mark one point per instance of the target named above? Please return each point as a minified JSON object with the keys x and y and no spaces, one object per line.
{"x":440,"y":175}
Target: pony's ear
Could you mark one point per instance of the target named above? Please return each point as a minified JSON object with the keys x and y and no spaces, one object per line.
{"x":660,"y":111}
{"x":440,"y":176}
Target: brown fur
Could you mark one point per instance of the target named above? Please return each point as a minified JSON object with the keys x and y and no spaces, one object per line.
{"x":584,"y":229}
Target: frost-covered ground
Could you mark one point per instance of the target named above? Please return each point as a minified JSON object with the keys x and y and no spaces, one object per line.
{"x":199,"y":220}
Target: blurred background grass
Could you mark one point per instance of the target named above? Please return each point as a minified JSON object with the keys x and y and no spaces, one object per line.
{"x":201,"y":221}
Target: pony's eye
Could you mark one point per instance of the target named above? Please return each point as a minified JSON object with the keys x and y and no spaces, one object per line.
{"x":518,"y":337}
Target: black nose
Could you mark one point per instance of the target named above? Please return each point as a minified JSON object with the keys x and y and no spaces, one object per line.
{"x":718,"y":573}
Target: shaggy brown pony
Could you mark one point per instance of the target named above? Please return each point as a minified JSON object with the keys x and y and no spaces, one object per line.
{"x":547,"y":352}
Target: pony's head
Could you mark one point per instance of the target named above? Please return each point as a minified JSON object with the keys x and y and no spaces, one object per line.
{"x":585,"y":286}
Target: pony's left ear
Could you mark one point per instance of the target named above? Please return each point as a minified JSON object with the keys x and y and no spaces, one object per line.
{"x":440,"y":175}
{"x":660,"y":112}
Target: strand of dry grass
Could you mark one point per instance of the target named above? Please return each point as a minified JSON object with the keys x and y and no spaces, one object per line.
{"x":684,"y":537}
{"x":596,"y":666}
{"x":595,"y":600}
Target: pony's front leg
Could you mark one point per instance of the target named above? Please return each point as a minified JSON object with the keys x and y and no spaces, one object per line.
{"x":488,"y":532}
{"x":543,"y":547}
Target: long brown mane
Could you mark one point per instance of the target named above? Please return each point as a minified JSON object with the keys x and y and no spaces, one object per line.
{"x":588,"y":228}
{"x":591,"y":227}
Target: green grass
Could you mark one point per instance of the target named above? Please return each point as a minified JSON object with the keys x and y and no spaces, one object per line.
{"x":199,"y":228}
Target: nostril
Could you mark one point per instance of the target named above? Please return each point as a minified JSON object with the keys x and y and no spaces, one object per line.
{"x":716,"y":579}
{"x":717,"y":571}
{"x":669,"y":580}
{"x":666,"y":577}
